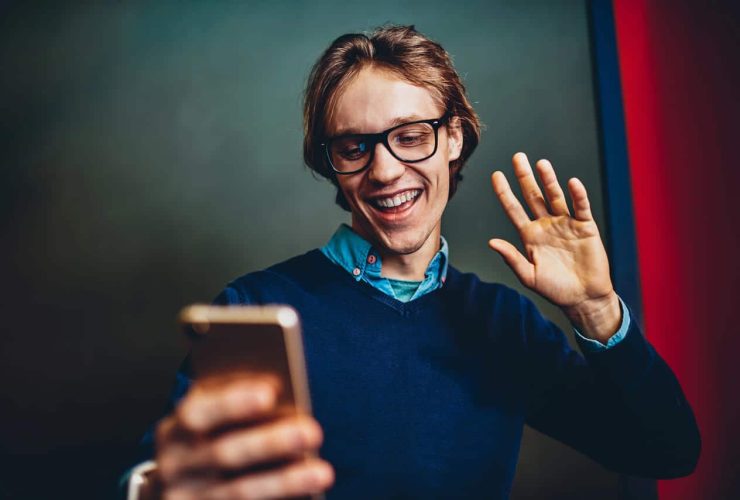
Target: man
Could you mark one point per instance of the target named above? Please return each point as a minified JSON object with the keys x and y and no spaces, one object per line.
{"x":423,"y":376}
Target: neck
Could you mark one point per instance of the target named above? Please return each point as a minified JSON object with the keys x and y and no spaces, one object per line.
{"x":409,"y":267}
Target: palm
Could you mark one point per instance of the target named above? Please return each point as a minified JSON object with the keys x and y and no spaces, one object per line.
{"x":565,"y":259}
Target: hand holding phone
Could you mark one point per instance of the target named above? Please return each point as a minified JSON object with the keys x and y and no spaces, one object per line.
{"x":244,"y":430}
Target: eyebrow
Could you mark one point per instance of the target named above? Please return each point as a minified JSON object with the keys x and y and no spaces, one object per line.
{"x":396,"y":121}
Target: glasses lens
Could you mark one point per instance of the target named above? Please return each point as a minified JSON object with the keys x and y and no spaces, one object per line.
{"x":349,"y":153}
{"x":413,"y":142}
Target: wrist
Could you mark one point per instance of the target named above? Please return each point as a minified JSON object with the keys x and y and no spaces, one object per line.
{"x":597,"y":319}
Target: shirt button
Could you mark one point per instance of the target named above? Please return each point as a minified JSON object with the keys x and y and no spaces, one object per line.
{"x":371,"y":259}
{"x":356,"y":271}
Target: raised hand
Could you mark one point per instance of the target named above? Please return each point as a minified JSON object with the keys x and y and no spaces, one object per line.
{"x":566,"y":261}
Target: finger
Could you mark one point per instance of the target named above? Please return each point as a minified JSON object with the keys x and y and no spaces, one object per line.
{"x":210,"y":406}
{"x":305,"y":477}
{"x":172,"y":445}
{"x":289,"y":437}
{"x":188,"y":489}
{"x":581,"y":205}
{"x":523,"y":269}
{"x":514,"y":210}
{"x":167,"y":430}
{"x":530,"y":188}
{"x":553,"y":191}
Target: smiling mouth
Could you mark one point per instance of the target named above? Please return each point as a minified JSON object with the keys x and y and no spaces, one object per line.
{"x":397,"y":202}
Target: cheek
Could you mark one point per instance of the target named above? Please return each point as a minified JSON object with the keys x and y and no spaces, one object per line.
{"x":343,"y":185}
{"x":443,"y":183}
{"x":349,"y":188}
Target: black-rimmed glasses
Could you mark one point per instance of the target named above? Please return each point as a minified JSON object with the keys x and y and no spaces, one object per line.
{"x":410,"y":142}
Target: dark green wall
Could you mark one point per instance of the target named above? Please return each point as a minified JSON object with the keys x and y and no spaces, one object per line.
{"x":150,"y":153}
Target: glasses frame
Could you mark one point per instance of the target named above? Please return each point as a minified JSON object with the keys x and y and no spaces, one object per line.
{"x":382,"y":137}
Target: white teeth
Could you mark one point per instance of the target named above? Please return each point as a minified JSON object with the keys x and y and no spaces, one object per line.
{"x":399,"y":199}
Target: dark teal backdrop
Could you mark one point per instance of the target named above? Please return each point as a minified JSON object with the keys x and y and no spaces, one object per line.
{"x":150,"y":153}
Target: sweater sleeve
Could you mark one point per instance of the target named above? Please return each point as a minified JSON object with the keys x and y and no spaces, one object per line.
{"x":621,"y":406}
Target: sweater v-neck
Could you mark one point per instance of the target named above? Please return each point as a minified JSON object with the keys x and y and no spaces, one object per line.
{"x":335,"y":272}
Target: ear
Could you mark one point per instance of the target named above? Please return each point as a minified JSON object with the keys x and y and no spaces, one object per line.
{"x":454,"y":138}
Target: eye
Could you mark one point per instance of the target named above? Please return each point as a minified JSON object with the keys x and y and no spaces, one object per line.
{"x":350,"y":148}
{"x":411,"y":139}
{"x":412,"y":135}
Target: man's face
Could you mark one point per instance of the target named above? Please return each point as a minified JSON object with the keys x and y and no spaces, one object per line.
{"x":375,"y":101}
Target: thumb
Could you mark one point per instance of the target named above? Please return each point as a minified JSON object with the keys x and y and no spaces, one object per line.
{"x":523,"y":269}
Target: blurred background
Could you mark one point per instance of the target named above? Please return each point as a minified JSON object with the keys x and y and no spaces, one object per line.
{"x":150,"y":153}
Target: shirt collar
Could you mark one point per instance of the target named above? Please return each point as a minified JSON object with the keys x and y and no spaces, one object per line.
{"x":357,"y":256}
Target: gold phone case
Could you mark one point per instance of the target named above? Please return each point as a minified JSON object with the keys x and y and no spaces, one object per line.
{"x":236,"y":340}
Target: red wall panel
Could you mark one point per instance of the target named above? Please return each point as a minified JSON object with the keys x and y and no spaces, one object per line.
{"x":679,"y":67}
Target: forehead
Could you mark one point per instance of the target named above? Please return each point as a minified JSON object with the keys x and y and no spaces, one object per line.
{"x":376,"y":99}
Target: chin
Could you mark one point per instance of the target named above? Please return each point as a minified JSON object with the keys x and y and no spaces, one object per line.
{"x":403,"y":244}
{"x":393,"y":236}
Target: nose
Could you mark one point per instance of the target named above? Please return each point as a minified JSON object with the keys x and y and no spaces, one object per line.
{"x":385,"y":168}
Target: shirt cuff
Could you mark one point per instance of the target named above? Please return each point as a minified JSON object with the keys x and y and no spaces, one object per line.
{"x":592,"y":345}
{"x":132,"y":482}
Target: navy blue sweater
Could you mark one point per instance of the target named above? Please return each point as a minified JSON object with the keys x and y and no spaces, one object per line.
{"x":429,"y":397}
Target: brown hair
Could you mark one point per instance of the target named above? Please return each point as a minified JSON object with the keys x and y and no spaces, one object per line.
{"x":406,"y":53}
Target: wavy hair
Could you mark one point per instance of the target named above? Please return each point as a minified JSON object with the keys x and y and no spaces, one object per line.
{"x":404,"y":52}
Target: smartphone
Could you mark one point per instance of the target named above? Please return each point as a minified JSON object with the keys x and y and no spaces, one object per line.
{"x":229,"y":341}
